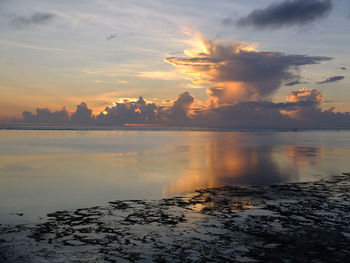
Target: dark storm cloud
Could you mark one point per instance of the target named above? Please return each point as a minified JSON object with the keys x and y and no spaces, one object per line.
{"x":37,"y":18}
{"x":332,"y":79}
{"x":287,"y":13}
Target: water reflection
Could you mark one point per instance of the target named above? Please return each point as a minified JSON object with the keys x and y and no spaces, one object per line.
{"x":46,"y":171}
{"x":225,"y":161}
{"x":298,"y":155}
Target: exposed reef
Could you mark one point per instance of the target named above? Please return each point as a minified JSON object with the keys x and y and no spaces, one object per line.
{"x":296,"y":222}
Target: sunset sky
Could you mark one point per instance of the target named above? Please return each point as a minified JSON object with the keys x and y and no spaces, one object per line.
{"x":290,"y":56}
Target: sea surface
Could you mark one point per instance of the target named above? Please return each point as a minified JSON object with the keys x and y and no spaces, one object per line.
{"x":43,"y":171}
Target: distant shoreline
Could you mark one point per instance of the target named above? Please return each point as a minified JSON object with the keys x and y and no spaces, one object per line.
{"x":155,"y":128}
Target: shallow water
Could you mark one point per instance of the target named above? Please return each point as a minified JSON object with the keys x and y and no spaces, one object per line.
{"x":48,"y":170}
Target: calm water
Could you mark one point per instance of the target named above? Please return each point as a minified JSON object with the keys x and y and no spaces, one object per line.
{"x":45,"y":171}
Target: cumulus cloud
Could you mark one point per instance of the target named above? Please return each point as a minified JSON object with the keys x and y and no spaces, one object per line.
{"x":45,"y":115}
{"x":180,"y":109}
{"x":305,"y":94}
{"x":245,"y":115}
{"x":82,"y":113}
{"x":254,"y":114}
{"x":130,"y":112}
{"x":287,"y":13}
{"x":313,"y":115}
{"x":311,"y":96}
{"x":140,"y":111}
{"x":331,"y":79}
{"x":302,"y":109}
{"x":239,"y":73}
{"x":38,"y":18}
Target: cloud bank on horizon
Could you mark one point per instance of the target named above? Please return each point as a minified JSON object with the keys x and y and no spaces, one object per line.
{"x":302,"y":109}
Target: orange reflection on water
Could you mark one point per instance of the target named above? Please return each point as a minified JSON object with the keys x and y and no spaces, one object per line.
{"x":224,"y":164}
{"x":303,"y":156}
{"x":230,"y":161}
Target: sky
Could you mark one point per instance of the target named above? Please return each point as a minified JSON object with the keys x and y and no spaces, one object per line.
{"x":265,"y":63}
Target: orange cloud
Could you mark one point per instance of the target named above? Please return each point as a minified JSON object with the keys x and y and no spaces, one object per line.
{"x":312,"y":96}
{"x":305,"y":94}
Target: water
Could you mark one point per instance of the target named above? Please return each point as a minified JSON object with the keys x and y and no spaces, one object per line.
{"x":43,"y":171}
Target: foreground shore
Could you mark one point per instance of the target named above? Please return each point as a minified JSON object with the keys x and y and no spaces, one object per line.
{"x":296,"y":222}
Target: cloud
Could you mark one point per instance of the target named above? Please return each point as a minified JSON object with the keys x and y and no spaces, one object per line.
{"x":240,"y":80}
{"x":228,"y":21}
{"x":294,"y":82}
{"x":162,"y":75}
{"x":45,"y":115}
{"x":237,"y":72}
{"x":27,"y":46}
{"x":313,"y":116}
{"x":38,"y":18}
{"x":82,"y":113}
{"x":130,"y":112}
{"x":302,"y":109}
{"x":312,"y":97}
{"x":287,"y":13}
{"x":305,"y":94}
{"x":110,"y":37}
{"x":140,"y":111}
{"x":180,"y":109}
{"x":252,"y":114}
{"x":332,"y":79}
